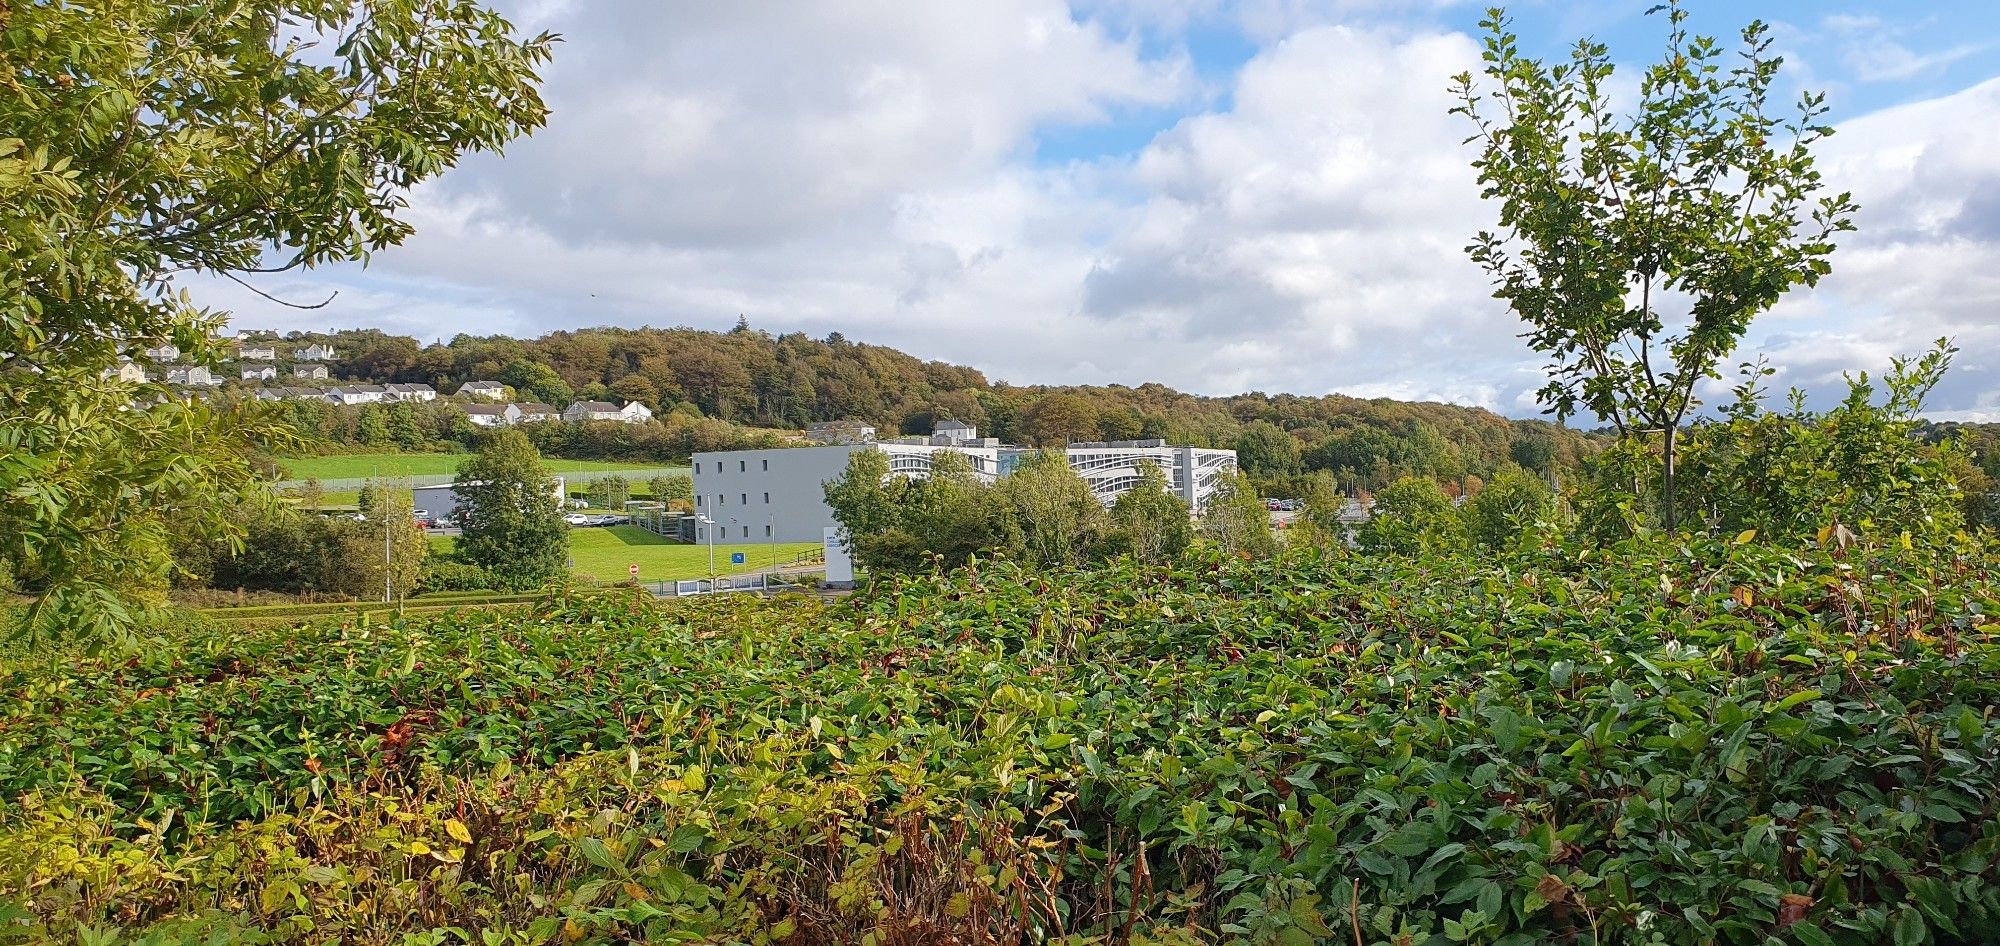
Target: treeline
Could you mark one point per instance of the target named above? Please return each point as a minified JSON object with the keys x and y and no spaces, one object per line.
{"x":443,"y":426}
{"x":753,"y":379}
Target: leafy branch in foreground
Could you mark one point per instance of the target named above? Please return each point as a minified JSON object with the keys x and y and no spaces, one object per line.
{"x":151,"y":139}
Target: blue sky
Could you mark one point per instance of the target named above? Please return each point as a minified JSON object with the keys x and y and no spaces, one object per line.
{"x":1260,"y":195}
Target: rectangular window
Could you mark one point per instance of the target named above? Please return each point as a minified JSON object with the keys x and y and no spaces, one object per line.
{"x":767,"y":499}
{"x":767,"y":532}
{"x":697,"y":468}
{"x":721,"y":500}
{"x":742,"y":466}
{"x":767,"y":466}
{"x":700,"y":500}
{"x":743,"y":498}
{"x":746,"y":532}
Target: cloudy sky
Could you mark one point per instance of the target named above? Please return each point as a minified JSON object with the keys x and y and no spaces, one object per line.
{"x":1266,"y":195}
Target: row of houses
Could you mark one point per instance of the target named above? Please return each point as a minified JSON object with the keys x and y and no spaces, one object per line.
{"x":507,"y":415}
{"x":170,"y":352}
{"x":351,"y":393}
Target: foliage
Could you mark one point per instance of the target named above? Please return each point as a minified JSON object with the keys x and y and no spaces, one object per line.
{"x":672,"y":489}
{"x":1862,"y":467}
{"x":610,"y":492}
{"x":1515,"y":503}
{"x":1703,"y":194}
{"x":1410,"y":517}
{"x":1052,"y":517}
{"x":147,"y":139}
{"x":1265,"y":448}
{"x":1234,"y":518}
{"x":513,"y":526}
{"x":1152,"y":522}
{"x":537,"y":382}
{"x":1658,"y":742}
{"x":444,"y":574}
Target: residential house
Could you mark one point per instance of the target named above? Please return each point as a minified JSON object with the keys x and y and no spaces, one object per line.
{"x":484,"y":390}
{"x":311,"y":372}
{"x":535,"y":413}
{"x":632,"y":413}
{"x":259,"y":353}
{"x":409,"y":392}
{"x":164,"y":353}
{"x":492,"y":415}
{"x":315,"y":353}
{"x":260,"y":373}
{"x":190,"y":376}
{"x":356,"y":394}
{"x":127,"y":372}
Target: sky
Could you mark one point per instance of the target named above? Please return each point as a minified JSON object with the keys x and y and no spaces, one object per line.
{"x":1267,"y":195}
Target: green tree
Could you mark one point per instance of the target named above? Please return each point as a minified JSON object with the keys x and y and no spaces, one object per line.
{"x":538,"y":381}
{"x":1234,"y":518}
{"x":1703,"y":200}
{"x":513,"y":520}
{"x":1412,"y":516}
{"x":1152,"y":522}
{"x":387,"y":554}
{"x":1059,"y":419}
{"x":1265,"y":449}
{"x":610,"y":492}
{"x":950,"y":514}
{"x":864,"y":498}
{"x":144,"y":139}
{"x":1513,"y":502}
{"x":672,"y":489}
{"x":1319,"y":522}
{"x":1053,"y":516}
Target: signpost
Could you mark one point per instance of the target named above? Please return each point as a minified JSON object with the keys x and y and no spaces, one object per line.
{"x":635,"y":571}
{"x":735,"y":558}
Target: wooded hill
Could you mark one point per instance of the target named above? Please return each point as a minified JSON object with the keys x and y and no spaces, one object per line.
{"x":752,"y":378}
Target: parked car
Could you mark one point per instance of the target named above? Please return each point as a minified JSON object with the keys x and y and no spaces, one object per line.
{"x":578,"y":519}
{"x":1274,"y":504}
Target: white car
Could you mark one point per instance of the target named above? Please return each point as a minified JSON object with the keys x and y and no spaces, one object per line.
{"x":577,"y":519}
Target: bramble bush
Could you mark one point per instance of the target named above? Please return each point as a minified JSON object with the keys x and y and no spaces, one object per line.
{"x":1687,"y":741}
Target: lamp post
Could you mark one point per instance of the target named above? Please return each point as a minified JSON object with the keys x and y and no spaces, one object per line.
{"x":710,"y":532}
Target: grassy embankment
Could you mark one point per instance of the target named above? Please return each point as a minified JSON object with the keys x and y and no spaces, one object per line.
{"x":605,"y":554}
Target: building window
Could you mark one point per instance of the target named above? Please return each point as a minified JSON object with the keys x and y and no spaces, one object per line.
{"x":767,"y":499}
{"x":767,"y":532}
{"x":767,"y":466}
{"x":746,"y":532}
{"x":700,"y":500}
{"x":721,"y":500}
{"x":697,"y":468}
{"x":743,"y":498}
{"x":742,"y":466}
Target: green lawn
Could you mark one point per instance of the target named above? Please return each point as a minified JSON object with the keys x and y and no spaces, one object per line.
{"x":345,"y":466}
{"x":606,"y":553}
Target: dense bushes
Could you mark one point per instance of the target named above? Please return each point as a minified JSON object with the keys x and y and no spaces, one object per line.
{"x":1661,"y":742}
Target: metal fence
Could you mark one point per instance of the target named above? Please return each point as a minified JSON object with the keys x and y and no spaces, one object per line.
{"x":762,"y":582}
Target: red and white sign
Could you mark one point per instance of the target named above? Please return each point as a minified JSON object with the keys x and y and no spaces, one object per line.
{"x":634,"y":569}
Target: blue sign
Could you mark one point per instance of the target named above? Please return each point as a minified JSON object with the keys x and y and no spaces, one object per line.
{"x":736,"y":558}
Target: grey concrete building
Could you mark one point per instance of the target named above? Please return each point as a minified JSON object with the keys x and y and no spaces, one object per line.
{"x":777,"y":495}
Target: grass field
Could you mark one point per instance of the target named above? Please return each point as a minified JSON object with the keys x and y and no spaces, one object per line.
{"x":606,"y":553}
{"x":362,"y":465}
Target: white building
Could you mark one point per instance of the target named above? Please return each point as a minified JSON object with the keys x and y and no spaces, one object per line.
{"x":259,"y":353}
{"x":409,"y":392}
{"x":263,"y":373}
{"x":356,"y":394}
{"x":190,"y":376}
{"x":492,"y":415}
{"x":484,"y":390}
{"x":164,"y":353}
{"x":632,"y":413}
{"x":315,"y":353}
{"x":313,"y":372}
{"x":948,"y":433}
{"x":535,"y":412}
{"x":127,"y":372}
{"x":777,"y":495}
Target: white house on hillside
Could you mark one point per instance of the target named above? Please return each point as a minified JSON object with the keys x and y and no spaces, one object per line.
{"x":356,"y":394}
{"x":261,"y":373}
{"x":492,"y":415}
{"x":315,"y":353}
{"x":486,"y":390}
{"x":632,"y":413}
{"x":191,"y":375}
{"x":409,"y":392}
{"x":127,"y":372}
{"x":164,"y":353}
{"x":260,"y":353}
{"x":535,"y":413}
{"x":314,"y":372}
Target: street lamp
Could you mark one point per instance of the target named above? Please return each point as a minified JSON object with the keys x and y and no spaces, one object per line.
{"x":710,"y":532}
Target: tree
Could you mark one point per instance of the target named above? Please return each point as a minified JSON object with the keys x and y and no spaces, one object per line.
{"x":1533,"y":452}
{"x":1152,"y":521}
{"x":1411,"y":516}
{"x":1059,"y":419}
{"x":1319,"y":522}
{"x":673,"y":489}
{"x":610,"y":492}
{"x":864,"y":499}
{"x":538,"y":381}
{"x":1264,"y":449}
{"x":146,"y":139}
{"x":1235,"y":518}
{"x":1055,"y":519}
{"x":512,"y":518}
{"x":1514,"y":501}
{"x":387,"y":555}
{"x":950,"y":514}
{"x":1703,"y":199}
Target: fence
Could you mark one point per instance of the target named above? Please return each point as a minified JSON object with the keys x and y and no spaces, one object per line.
{"x":764,"y":583}
{"x":571,"y":480}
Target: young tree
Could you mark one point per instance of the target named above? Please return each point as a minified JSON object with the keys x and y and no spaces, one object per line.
{"x":1235,"y":518}
{"x":864,"y":498}
{"x":1703,"y":200}
{"x":1410,"y":516}
{"x":513,"y":521}
{"x":1319,"y":523}
{"x":1152,"y":521}
{"x":150,"y":138}
{"x":610,"y":492}
{"x":384,"y":557}
{"x":1055,"y":518}
{"x":677,"y":492}
{"x":1514,"y":501}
